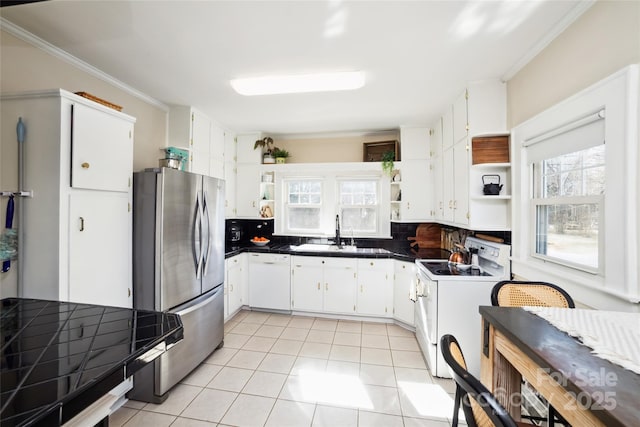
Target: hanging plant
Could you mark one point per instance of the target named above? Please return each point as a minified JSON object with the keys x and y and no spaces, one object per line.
{"x":387,"y":162}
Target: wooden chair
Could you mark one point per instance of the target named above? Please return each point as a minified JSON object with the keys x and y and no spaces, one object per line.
{"x":514,"y":293}
{"x":480,"y":407}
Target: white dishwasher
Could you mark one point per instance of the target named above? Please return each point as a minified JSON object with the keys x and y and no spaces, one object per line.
{"x":269,"y":281}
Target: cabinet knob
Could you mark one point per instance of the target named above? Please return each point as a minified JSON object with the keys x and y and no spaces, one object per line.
{"x":128,"y":292}
{"x":81,"y":224}
{"x":318,"y":285}
{"x":85,"y":165}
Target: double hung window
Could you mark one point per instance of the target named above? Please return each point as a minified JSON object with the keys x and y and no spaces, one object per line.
{"x":359,"y":205}
{"x":568,"y":195}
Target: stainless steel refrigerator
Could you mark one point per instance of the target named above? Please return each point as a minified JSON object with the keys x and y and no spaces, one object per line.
{"x":178,"y":266}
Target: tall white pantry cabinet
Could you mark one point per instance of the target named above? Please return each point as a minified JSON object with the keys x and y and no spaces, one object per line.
{"x":78,"y":161}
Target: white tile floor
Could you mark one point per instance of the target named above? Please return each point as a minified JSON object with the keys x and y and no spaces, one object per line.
{"x":280,"y":370}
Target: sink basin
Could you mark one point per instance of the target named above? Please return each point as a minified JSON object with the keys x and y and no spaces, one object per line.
{"x":317,"y":247}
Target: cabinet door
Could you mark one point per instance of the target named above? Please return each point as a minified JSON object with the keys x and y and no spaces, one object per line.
{"x":230,"y":175}
{"x":414,"y":143}
{"x":461,"y":182}
{"x":404,"y":281}
{"x":437,"y":171}
{"x":200,"y":143}
{"x":339,"y":285}
{"x":460,"y":121}
{"x":101,"y":150}
{"x":245,"y":151}
{"x":416,"y":190}
{"x":306,"y":283}
{"x":100,"y":249}
{"x":447,"y":128}
{"x":216,"y":158}
{"x":375,"y":287}
{"x":247,"y":190}
{"x":233,"y":284}
{"x":449,"y":175}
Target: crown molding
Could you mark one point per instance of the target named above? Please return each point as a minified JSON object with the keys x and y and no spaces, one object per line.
{"x":562,"y":25}
{"x":55,"y":51}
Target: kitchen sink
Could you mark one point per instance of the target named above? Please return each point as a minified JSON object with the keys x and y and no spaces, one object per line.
{"x":318,"y":247}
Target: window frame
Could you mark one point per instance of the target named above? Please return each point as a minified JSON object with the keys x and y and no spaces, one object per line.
{"x":538,"y":199}
{"x":331,"y":175}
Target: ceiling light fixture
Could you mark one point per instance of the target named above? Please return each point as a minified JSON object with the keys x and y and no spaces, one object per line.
{"x":300,"y":83}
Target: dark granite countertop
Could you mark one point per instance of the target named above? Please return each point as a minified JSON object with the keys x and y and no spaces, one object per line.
{"x":58,"y":358}
{"x":400,"y":253}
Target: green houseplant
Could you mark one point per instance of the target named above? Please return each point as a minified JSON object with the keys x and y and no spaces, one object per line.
{"x":280,"y":155}
{"x":266,"y":144}
{"x":387,"y":162}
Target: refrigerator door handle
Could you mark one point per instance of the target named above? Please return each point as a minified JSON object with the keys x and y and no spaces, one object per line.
{"x":197,"y":237}
{"x":207,"y":252}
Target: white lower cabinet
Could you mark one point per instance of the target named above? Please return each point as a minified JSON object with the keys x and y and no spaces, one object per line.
{"x":339,"y":285}
{"x":99,"y":226}
{"x":307,"y":283}
{"x":323,"y":284}
{"x":404,"y":281}
{"x":375,"y":287}
{"x":235,"y":267}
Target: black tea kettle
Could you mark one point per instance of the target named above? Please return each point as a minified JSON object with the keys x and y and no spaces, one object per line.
{"x":491,"y":189}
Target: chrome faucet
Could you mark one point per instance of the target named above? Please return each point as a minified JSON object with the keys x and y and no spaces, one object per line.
{"x":338,"y":231}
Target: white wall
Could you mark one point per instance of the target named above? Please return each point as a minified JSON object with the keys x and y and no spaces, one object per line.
{"x":602,"y":41}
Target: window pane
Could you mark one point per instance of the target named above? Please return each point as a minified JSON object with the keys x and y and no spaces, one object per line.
{"x":304,"y":192}
{"x":568,"y":232}
{"x":574,"y":174}
{"x":304,"y":218}
{"x":359,"y":219}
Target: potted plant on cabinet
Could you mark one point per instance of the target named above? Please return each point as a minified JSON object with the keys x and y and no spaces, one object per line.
{"x":387,"y":162}
{"x":280,"y":155}
{"x":266,"y":144}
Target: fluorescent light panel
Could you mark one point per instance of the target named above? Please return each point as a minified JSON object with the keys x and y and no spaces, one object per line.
{"x":300,"y":83}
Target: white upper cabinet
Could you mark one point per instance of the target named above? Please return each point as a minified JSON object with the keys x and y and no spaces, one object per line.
{"x":479,"y":110}
{"x":100,"y":160}
{"x":217,"y":154}
{"x":414,"y":143}
{"x":245,"y":152}
{"x":460,"y":118}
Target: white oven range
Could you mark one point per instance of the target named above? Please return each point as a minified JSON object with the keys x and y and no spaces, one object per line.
{"x":448,"y":298}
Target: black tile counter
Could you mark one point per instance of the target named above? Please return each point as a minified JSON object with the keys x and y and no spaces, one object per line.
{"x":399,"y":253}
{"x":58,"y":358}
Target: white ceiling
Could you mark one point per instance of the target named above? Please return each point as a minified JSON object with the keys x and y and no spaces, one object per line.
{"x":417,"y":55}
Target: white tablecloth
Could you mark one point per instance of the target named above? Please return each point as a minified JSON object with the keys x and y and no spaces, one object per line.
{"x":613,"y":335}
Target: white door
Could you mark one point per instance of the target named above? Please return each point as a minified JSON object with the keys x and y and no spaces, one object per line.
{"x":416,"y":190}
{"x":339,"y":285}
{"x":234,"y":289}
{"x":306,"y":283}
{"x":375,"y":287}
{"x":100,"y":249}
{"x":449,"y":176}
{"x":404,"y":278}
{"x":461,"y":182}
{"x":247,"y":191}
{"x":101,"y":150}
{"x":200,"y":143}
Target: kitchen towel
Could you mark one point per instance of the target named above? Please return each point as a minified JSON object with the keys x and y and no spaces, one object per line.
{"x":613,"y":335}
